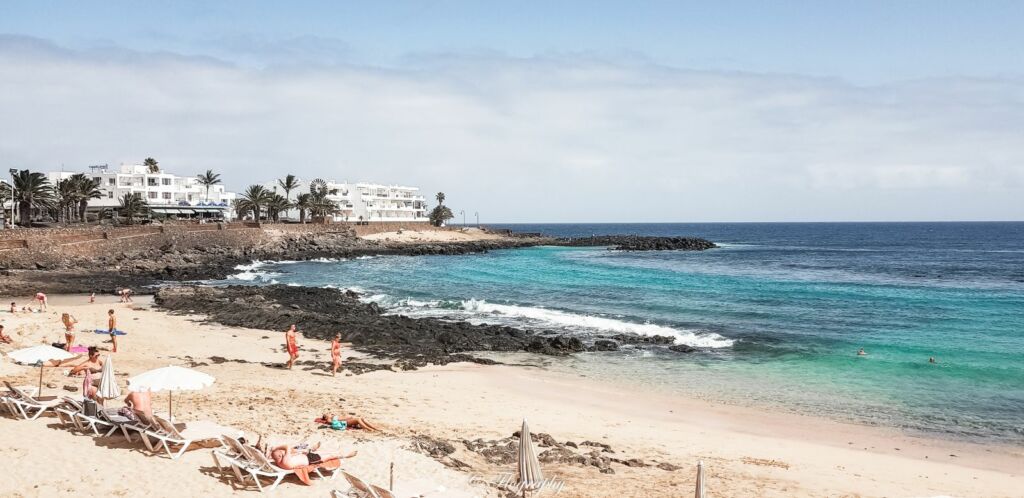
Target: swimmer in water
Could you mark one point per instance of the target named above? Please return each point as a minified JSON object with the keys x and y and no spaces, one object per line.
{"x":861,"y":352}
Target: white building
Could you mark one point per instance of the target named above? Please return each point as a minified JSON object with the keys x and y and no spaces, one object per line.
{"x":366,"y":201}
{"x":166,"y":194}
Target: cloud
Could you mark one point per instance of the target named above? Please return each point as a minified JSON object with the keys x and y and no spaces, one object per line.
{"x":557,"y":138}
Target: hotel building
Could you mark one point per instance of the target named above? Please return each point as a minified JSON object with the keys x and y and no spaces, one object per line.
{"x":166,"y":194}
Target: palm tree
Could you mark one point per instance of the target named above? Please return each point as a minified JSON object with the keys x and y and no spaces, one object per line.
{"x":67,"y":198}
{"x":288,"y":184}
{"x":86,"y":188}
{"x":32,"y":191}
{"x":303,"y":202}
{"x":207,"y":180}
{"x":440,"y":197}
{"x":152,"y":165}
{"x":132,"y":205}
{"x":254,"y":198}
{"x":275,"y":204}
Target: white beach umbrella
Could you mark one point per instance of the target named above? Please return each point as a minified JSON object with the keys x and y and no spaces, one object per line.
{"x":39,"y":356}
{"x":699,"y":492}
{"x":531,"y":478}
{"x":170,"y":379}
{"x":108,"y":384}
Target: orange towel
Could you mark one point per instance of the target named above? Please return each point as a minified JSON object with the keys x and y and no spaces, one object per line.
{"x":303,"y":472}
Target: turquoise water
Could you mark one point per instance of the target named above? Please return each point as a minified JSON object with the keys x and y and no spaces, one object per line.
{"x":778,"y":314}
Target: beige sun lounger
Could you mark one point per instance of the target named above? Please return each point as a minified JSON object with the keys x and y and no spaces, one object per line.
{"x":29,"y":407}
{"x":360,"y":488}
{"x":184,"y":435}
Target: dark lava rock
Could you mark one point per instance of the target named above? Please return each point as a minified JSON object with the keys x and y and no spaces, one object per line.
{"x":682,"y":348}
{"x":638,"y":243}
{"x":320,"y":313}
{"x":605,"y":345}
{"x":668,"y":466}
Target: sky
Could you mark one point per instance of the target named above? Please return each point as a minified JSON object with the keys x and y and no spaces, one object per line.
{"x":543,"y":111}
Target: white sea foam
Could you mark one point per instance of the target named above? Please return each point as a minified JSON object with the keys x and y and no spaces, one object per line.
{"x":564,"y":318}
{"x":480,"y":310}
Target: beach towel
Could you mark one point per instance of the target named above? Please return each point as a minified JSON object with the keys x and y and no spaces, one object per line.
{"x":303,"y":472}
{"x":79,"y":349}
{"x":116,"y":332}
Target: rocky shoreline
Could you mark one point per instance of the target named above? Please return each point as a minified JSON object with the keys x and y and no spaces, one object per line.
{"x":410,"y":343}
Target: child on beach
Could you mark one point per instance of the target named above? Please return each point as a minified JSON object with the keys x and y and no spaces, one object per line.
{"x":4,"y":338}
{"x":14,"y":308}
{"x":111,"y":327}
{"x":292,"y":345}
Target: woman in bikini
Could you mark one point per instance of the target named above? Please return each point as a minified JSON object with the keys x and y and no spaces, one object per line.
{"x":69,"y":330}
{"x":346,"y":422}
{"x":336,"y":345}
{"x":94,"y":364}
{"x":292,"y":345}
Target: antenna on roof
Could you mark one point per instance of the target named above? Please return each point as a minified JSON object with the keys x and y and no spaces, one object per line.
{"x":98,"y":168}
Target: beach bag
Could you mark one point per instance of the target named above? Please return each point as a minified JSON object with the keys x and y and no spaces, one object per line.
{"x":89,"y":408}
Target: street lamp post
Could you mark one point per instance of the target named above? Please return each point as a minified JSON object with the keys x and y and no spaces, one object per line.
{"x":463,"y":213}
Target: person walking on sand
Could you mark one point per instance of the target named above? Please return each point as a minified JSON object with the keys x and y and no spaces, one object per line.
{"x":42,"y":300}
{"x":111,"y":328}
{"x":336,"y":353}
{"x":92,"y":298}
{"x":292,"y":345}
{"x":69,"y":330}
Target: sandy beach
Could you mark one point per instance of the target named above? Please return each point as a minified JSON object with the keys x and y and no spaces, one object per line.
{"x":747,"y":452}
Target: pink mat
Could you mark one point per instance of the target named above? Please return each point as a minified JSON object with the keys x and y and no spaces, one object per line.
{"x":79,"y":349}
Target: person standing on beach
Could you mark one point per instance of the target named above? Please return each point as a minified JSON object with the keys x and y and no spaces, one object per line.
{"x":336,"y":345}
{"x":42,"y":300}
{"x":111,"y":328}
{"x":69,"y":330}
{"x":292,"y":345}
{"x":92,"y":298}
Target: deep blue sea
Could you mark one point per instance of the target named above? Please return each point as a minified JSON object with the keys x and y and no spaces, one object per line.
{"x":778,"y":312}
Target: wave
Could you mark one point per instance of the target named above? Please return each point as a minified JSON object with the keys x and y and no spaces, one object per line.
{"x":545,"y":317}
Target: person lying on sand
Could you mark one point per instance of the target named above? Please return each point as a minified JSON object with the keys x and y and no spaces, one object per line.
{"x":340,"y":422}
{"x":4,"y":338}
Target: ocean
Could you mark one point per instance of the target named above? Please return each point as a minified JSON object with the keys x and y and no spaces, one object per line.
{"x":778,"y":313}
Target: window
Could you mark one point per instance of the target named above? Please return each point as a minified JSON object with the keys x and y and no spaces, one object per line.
{"x":166,"y":181}
{"x":110,"y":195}
{"x":151,"y":182}
{"x":167,"y":195}
{"x":152,"y":195}
{"x":110,"y":181}
{"x":97,"y":179}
